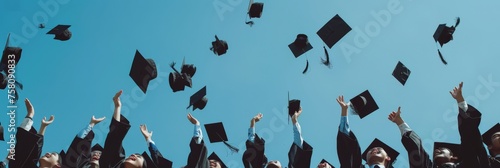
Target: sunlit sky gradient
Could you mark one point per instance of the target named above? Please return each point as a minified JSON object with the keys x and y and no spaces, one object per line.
{"x":76,"y":79}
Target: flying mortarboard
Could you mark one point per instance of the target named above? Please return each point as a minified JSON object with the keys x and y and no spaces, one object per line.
{"x":97,"y":147}
{"x":401,"y":73}
{"x":217,"y":133}
{"x":219,"y":47}
{"x":148,"y":160}
{"x":324,"y":161}
{"x":254,"y":11}
{"x":333,"y":31}
{"x":443,"y":35}
{"x":142,"y":71}
{"x":16,"y":51}
{"x":487,"y":135}
{"x":178,"y":80}
{"x":454,"y":148}
{"x":363,"y":104}
{"x":393,"y":154}
{"x":300,"y":46}
{"x":214,"y":156}
{"x":61,"y":32}
{"x":198,"y":100}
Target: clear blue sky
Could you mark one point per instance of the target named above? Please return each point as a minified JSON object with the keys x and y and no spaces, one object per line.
{"x":76,"y":79}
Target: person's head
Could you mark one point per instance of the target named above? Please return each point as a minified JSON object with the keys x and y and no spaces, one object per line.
{"x":51,"y":160}
{"x":494,"y":147}
{"x":135,"y":160}
{"x":443,"y":155}
{"x":214,"y":163}
{"x":377,"y":155}
{"x":324,"y":165}
{"x":94,"y":157}
{"x":273,"y":164}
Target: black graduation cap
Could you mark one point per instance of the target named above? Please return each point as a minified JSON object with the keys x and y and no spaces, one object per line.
{"x":64,"y":160}
{"x":97,"y":147}
{"x":363,"y":104}
{"x":1,"y":133}
{"x":443,"y":35}
{"x":293,"y":106}
{"x":62,"y":32}
{"x":16,"y":51}
{"x":214,"y":156}
{"x":254,"y":11}
{"x":148,"y":160}
{"x":393,"y":154}
{"x":324,"y":161}
{"x":300,"y":45}
{"x":217,"y":133}
{"x":142,"y":71}
{"x":198,"y":100}
{"x":454,"y":148}
{"x":178,"y":80}
{"x":401,"y":73}
{"x":333,"y":31}
{"x":487,"y":135}
{"x":219,"y":47}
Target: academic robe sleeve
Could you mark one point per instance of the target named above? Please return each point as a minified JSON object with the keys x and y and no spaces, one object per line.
{"x":113,"y":152}
{"x":28,"y":149}
{"x":79,"y":151}
{"x":158,"y":158}
{"x":300,"y":157}
{"x":253,"y":157}
{"x":417,"y":156}
{"x":472,"y":149}
{"x":198,"y":155}
{"x":348,"y":150}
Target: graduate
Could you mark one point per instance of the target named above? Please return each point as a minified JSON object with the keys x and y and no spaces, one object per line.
{"x":113,"y":154}
{"x":471,"y":145}
{"x":30,"y":142}
{"x":300,"y":152}
{"x":348,"y":149}
{"x":254,"y":156}
{"x":417,"y":156}
{"x":492,"y":139}
{"x":198,"y":155}
{"x":157,"y":158}
{"x":80,"y":153}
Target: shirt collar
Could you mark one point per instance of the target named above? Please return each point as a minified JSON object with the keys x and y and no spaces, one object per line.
{"x":381,"y":166}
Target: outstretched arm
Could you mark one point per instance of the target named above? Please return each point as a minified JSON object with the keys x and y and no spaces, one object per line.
{"x":118,"y":105}
{"x":344,"y":122}
{"x":86,"y":130}
{"x":44,"y":125}
{"x":297,"y":130}
{"x":395,"y":117}
{"x":28,"y":120}
{"x":197,"y":128}
{"x":348,"y":149}
{"x":251,"y":130}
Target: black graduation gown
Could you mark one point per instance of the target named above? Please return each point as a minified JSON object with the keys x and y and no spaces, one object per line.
{"x":28,"y":149}
{"x":473,"y":152}
{"x":198,"y":155}
{"x":158,"y":158}
{"x":79,"y":152}
{"x":495,"y":162}
{"x":113,"y":154}
{"x":253,"y":157}
{"x":348,"y":150}
{"x":417,"y":156}
{"x":300,"y":157}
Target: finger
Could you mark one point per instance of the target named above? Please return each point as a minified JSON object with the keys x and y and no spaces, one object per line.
{"x":43,"y":119}
{"x":460,"y":85}
{"x":51,"y":118}
{"x":151,"y":133}
{"x":399,"y":110}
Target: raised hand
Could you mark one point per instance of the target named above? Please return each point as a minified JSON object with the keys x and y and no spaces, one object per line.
{"x":395,"y":117}
{"x":456,"y":93}
{"x":116,"y":99}
{"x":192,"y":119}
{"x":343,"y":105}
{"x":144,"y":130}
{"x":29,"y":108}
{"x":46,"y":122}
{"x":256,"y":119}
{"x":296,"y":115}
{"x":94,"y":121}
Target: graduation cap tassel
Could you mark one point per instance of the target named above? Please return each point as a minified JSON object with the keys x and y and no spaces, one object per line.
{"x":172,"y":66}
{"x":442,"y":58}
{"x":457,"y":22}
{"x":327,"y":61}
{"x":20,"y":85}
{"x":307,"y":67}
{"x":232,"y":148}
